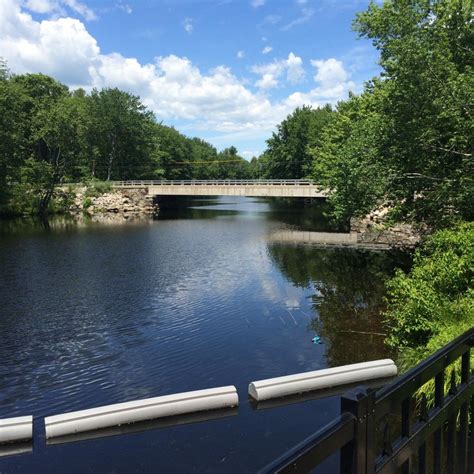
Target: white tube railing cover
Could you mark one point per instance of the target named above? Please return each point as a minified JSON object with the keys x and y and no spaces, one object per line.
{"x":319,"y":379}
{"x":147,"y":409}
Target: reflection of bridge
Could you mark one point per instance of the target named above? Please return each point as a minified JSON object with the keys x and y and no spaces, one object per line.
{"x":295,"y":188}
{"x":323,"y":239}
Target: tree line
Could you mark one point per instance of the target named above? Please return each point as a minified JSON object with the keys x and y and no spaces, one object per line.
{"x":51,"y":135}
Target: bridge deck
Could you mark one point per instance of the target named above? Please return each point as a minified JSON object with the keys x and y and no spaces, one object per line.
{"x":256,"y":188}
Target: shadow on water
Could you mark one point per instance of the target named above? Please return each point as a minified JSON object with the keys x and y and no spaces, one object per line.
{"x":299,"y":213}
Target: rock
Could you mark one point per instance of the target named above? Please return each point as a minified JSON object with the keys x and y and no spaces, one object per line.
{"x":130,"y":201}
{"x":371,"y":229}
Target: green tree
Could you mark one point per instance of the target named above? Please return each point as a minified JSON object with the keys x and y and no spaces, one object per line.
{"x":176,"y":153}
{"x":287,"y":154}
{"x":121,"y":135}
{"x":437,"y":292}
{"x":349,"y":158}
{"x":427,"y":59}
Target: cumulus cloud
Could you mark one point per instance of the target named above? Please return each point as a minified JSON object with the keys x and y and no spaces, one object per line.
{"x":332,"y":84}
{"x":267,"y":50}
{"x":271,"y":72}
{"x":330,"y":70}
{"x":257,"y":3}
{"x":172,"y":86}
{"x":240,"y":54}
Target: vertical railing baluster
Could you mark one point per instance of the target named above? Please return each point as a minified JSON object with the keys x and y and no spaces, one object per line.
{"x":353,"y":455}
{"x":371,"y":429}
{"x":451,"y":435}
{"x":422,"y":449}
{"x":471,"y":437}
{"x":438,"y":435}
{"x":406,"y":405}
{"x":464,"y":413}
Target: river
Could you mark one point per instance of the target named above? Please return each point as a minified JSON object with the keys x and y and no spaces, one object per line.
{"x":99,"y":313}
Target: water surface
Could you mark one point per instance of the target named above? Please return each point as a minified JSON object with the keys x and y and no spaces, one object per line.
{"x":99,"y":313}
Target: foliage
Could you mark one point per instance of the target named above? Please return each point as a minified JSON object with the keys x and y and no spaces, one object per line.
{"x":407,"y":141}
{"x":435,"y":300}
{"x":87,"y":202}
{"x":95,"y":188}
{"x":347,"y":159}
{"x":287,"y":154}
{"x":427,"y":60}
{"x":50,"y":135}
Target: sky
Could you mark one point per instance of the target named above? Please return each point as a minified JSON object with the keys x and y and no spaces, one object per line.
{"x":227,"y":71}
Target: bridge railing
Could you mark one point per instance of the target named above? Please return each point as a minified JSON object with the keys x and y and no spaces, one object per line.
{"x":394,"y":429}
{"x":216,"y":182}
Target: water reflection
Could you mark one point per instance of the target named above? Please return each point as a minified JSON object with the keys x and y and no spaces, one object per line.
{"x":348,"y":291}
{"x":96,"y":314}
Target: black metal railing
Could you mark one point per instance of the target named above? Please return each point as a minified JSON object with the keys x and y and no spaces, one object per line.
{"x":395,"y":429}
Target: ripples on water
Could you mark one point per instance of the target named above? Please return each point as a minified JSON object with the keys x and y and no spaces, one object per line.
{"x":95,"y":314}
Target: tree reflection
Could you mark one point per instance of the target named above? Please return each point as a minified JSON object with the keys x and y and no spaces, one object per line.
{"x":348,"y":297}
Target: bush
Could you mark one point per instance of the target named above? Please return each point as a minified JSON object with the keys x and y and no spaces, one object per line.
{"x":96,"y":188}
{"x":434,"y":303}
{"x":437,"y":291}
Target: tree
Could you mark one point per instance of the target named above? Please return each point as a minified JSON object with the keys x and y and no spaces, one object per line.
{"x":349,"y":158}
{"x":427,"y":59}
{"x":176,"y":153}
{"x":60,"y":129}
{"x":121,"y":135}
{"x":287,"y":154}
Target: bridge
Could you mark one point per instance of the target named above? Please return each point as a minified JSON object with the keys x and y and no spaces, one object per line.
{"x":288,"y":188}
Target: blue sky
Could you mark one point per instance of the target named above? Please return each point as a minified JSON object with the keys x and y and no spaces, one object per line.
{"x":224,"y":70}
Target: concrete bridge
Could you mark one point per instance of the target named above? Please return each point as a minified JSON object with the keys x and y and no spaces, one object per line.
{"x":290,"y":188}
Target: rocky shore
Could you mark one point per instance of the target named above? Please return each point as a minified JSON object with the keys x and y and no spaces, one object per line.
{"x":373,"y":229}
{"x":126,"y":201}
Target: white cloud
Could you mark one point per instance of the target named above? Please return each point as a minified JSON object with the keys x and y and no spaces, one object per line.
{"x":124,"y":7}
{"x":267,"y":50}
{"x":271,"y":20}
{"x":271,"y":72}
{"x":329,"y":71}
{"x":333,"y":84}
{"x":214,"y":101}
{"x":240,"y":54}
{"x":40,"y":6}
{"x":294,"y":69}
{"x":57,"y":7}
{"x":188,"y":25}
{"x":257,"y":3}
{"x":306,"y":15}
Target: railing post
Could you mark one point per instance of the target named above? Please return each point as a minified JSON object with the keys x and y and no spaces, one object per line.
{"x":354,"y":455}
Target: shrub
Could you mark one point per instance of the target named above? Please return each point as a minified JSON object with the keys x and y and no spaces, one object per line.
{"x":432,"y":295}
{"x":96,"y":188}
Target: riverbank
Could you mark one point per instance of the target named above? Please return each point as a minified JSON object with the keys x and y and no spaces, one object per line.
{"x":373,"y":229}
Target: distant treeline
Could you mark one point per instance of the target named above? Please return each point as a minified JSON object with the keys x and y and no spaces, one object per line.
{"x":51,"y":135}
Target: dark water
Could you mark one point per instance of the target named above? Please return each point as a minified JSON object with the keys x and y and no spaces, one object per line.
{"x":93,"y":314}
